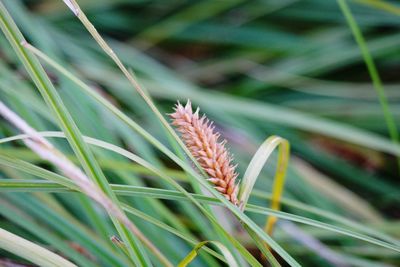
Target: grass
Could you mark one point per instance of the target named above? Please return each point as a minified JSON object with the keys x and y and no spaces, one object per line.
{"x":258,"y":70}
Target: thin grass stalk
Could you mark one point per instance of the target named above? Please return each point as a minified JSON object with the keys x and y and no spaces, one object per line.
{"x":73,"y":5}
{"x":373,"y":72}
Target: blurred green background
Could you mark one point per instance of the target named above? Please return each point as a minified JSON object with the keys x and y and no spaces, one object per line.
{"x":257,"y":68}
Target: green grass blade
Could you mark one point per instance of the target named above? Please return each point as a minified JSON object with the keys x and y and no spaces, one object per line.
{"x":31,"y":251}
{"x":373,"y":72}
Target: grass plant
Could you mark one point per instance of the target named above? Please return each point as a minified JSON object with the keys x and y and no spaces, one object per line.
{"x":93,"y":173}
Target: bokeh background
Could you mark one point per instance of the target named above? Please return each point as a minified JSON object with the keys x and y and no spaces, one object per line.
{"x":257,"y":68}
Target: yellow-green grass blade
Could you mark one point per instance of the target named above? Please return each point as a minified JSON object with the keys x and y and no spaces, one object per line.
{"x":256,"y":165}
{"x":230,"y":260}
{"x":252,"y":173}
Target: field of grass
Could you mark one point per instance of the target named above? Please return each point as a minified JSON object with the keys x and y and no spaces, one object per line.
{"x":93,"y":174}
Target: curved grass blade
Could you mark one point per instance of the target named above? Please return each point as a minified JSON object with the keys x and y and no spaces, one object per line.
{"x":230,"y":260}
{"x":256,"y":165}
{"x":30,"y":251}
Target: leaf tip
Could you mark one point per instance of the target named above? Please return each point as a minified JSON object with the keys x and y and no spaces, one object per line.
{"x":71,"y":6}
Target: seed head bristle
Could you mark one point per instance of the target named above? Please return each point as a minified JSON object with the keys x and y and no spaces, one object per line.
{"x":202,"y":141}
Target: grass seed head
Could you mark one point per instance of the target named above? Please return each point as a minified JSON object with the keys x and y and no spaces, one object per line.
{"x":202,"y":141}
